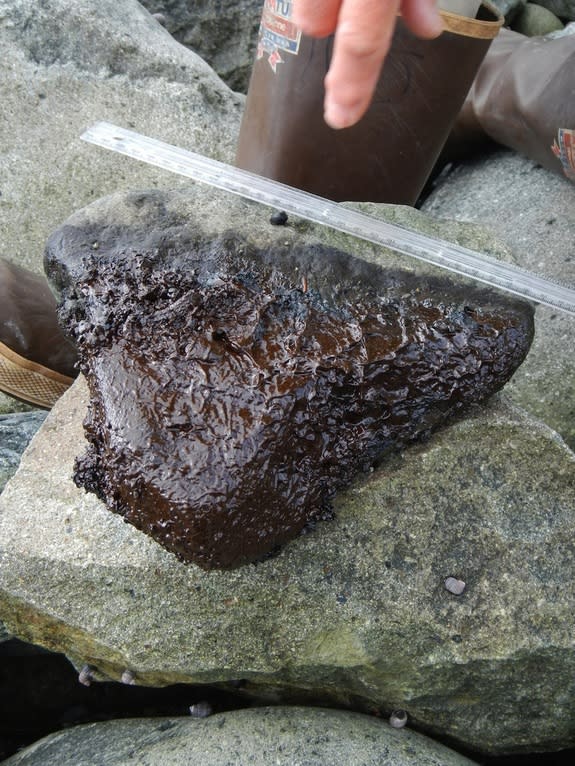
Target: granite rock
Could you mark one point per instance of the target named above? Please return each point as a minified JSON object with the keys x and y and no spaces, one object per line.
{"x":533,"y":211}
{"x":223,"y":32}
{"x":4,"y":635}
{"x":536,"y":21}
{"x":8,"y":405}
{"x":16,"y":430}
{"x":564,"y":9}
{"x":356,"y":613}
{"x":262,"y":736}
{"x":68,"y":63}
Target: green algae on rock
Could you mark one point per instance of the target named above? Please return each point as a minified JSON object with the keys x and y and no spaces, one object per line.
{"x":231,"y":398}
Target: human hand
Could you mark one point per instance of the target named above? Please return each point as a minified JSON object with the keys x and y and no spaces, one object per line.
{"x":363,"y":31}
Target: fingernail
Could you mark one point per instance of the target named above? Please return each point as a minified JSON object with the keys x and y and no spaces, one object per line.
{"x":337,"y":116}
{"x":434,"y":20}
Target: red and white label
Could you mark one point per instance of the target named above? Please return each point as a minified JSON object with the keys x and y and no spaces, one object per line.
{"x":564,"y":149}
{"x":278,"y":34}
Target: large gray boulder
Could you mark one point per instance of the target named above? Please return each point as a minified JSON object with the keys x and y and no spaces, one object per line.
{"x":536,"y":21}
{"x":356,"y":612}
{"x":223,"y":32}
{"x":261,"y":737}
{"x":533,"y":212}
{"x":66,"y":64}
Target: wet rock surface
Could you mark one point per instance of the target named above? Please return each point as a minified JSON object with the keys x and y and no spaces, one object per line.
{"x":234,"y":389}
{"x":16,"y":430}
{"x":493,"y":494}
{"x":356,"y":614}
{"x":284,"y":736}
{"x":41,"y":694}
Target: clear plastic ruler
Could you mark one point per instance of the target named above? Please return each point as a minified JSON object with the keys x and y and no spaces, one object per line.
{"x":446,"y":255}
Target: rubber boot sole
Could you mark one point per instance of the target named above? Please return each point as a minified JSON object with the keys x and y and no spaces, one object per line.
{"x":30,"y":382}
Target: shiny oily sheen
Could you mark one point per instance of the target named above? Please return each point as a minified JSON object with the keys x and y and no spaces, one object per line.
{"x":235,"y":390}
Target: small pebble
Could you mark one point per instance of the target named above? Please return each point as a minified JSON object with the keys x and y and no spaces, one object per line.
{"x":398,"y":719}
{"x":279,"y":218}
{"x":201,"y":710}
{"x":454,"y":586}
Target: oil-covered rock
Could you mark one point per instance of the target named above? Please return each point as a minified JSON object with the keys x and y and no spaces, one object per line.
{"x":234,"y":390}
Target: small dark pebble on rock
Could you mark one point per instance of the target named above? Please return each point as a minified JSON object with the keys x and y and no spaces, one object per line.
{"x":279,"y":218}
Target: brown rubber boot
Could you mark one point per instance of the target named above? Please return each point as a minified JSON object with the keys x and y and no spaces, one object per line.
{"x":389,"y":154}
{"x":36,"y":359}
{"x":524,"y":98}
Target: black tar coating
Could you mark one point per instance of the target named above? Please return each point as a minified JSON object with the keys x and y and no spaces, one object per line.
{"x":228,"y":405}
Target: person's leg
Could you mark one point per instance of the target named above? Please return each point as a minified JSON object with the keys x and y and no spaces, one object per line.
{"x":522,"y":98}
{"x":37,"y":361}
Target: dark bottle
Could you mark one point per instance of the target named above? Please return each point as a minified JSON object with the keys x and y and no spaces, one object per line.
{"x":389,"y":154}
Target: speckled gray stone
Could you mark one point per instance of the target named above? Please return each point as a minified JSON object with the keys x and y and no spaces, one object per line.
{"x":564,"y":9}
{"x":66,"y":64}
{"x":536,"y":21}
{"x":223,"y":32}
{"x":356,"y":610}
{"x":533,"y":212}
{"x":293,"y":736}
{"x":16,"y":430}
{"x":8,"y":405}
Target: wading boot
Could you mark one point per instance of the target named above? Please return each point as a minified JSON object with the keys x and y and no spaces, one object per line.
{"x":36,"y":359}
{"x":389,"y":154}
{"x":523,"y":97}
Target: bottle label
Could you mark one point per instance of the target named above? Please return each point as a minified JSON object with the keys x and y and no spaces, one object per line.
{"x":277,"y":32}
{"x":564,"y":149}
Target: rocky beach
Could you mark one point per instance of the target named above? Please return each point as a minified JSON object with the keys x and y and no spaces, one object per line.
{"x":430,"y":620}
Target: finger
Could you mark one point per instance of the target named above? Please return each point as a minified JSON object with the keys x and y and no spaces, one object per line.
{"x":362,"y":40}
{"x":422,"y":17}
{"x":317,"y":18}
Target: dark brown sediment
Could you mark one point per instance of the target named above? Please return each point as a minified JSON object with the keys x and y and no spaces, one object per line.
{"x":230,"y":400}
